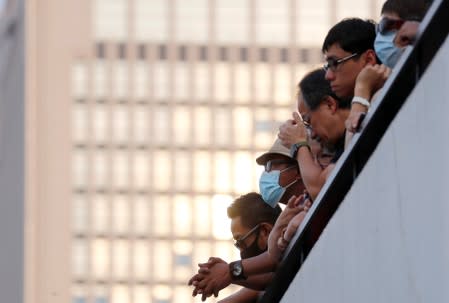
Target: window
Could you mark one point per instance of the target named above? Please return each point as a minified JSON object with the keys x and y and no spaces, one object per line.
{"x":162,"y":170}
{"x":202,"y":209}
{"x":202,"y":125}
{"x":100,"y":72}
{"x":110,"y":19}
{"x":161,"y":216}
{"x":349,"y":8}
{"x":120,"y":80}
{"x":79,"y":80}
{"x":120,"y":169}
{"x":222,"y":127}
{"x":265,"y":130}
{"x":262,"y":83}
{"x":141,"y":259}
{"x":120,"y":294}
{"x":272,"y":22}
{"x":80,"y":213}
{"x":222,"y":176}
{"x":201,"y":171}
{"x":161,"y":80}
{"x":157,"y":12}
{"x":162,"y":125}
{"x":192,"y":20}
{"x":120,"y":124}
{"x":182,"y":77}
{"x":243,"y":122}
{"x":182,"y":176}
{"x":232,"y":21}
{"x":120,"y":259}
{"x":182,"y":125}
{"x":120,"y":214}
{"x":80,"y":123}
{"x":140,"y":80}
{"x":182,"y":215}
{"x":79,"y":168}
{"x":162,"y":261}
{"x":243,"y":172}
{"x":141,"y":218}
{"x":141,"y":170}
{"x":201,"y":82}
{"x":222,"y":85}
{"x":100,"y":123}
{"x":100,"y":214}
{"x":80,"y":254}
{"x":100,"y":169}
{"x":242,"y":83}
{"x":284,"y":89}
{"x":140,"y":124}
{"x":313,"y":22}
{"x":100,"y":258}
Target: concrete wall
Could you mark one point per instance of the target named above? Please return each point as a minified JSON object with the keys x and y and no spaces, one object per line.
{"x":11,"y":153}
{"x":389,"y":240}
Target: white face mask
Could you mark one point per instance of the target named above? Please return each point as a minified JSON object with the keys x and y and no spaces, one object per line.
{"x":385,"y":49}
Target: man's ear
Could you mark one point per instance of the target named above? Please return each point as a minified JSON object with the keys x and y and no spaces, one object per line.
{"x":266,"y":228}
{"x":370,"y":57}
{"x":331,"y":104}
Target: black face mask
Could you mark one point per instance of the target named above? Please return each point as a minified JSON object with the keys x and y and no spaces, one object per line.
{"x":252,"y":250}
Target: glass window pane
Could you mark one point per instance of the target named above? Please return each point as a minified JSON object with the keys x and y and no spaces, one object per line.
{"x":141,"y":170}
{"x":120,"y":214}
{"x":222,"y":127}
{"x":157,"y":12}
{"x":161,"y":80}
{"x":162,"y":294}
{"x":242,"y":83}
{"x":79,"y":168}
{"x":80,"y":213}
{"x":202,"y":125}
{"x":222,"y":182}
{"x":183,"y":216}
{"x":120,"y":80}
{"x":181,"y":91}
{"x":100,"y":166}
{"x":80,"y":123}
{"x":120,"y":294}
{"x":192,"y":20}
{"x":222,"y":85}
{"x":162,"y":261}
{"x":141,"y":259}
{"x":201,"y":171}
{"x":80,"y":254}
{"x":161,"y":172}
{"x":142,"y":294}
{"x":262,"y":82}
{"x":100,"y":88}
{"x":232,"y":21}
{"x":100,"y":214}
{"x":181,"y":125}
{"x":100,"y":123}
{"x":314,"y":22}
{"x":272,"y":22}
{"x":350,"y":8}
{"x":284,"y":87}
{"x":221,"y":227}
{"x":243,"y":121}
{"x":120,"y":255}
{"x":202,"y":251}
{"x":140,"y":124}
{"x":182,"y":175}
{"x":140,"y":80}
{"x":100,"y":258}
{"x":161,"y":215}
{"x":79,"y":80}
{"x":202,"y":209}
{"x":265,"y":128}
{"x":120,"y":169}
{"x":225,"y":250}
{"x":120,"y":125}
{"x":110,"y":19}
{"x":202,"y":81}
{"x":243,"y":173}
{"x":141,"y":218}
{"x":162,"y":125}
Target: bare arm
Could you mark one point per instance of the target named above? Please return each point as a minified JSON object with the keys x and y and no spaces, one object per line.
{"x":243,"y":295}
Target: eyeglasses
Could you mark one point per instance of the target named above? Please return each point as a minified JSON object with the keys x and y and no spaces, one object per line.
{"x":333,"y":63}
{"x":387,"y":25}
{"x":240,"y":244}
{"x":270,"y":163}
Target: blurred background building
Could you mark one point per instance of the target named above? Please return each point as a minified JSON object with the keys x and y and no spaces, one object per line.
{"x":143,"y":119}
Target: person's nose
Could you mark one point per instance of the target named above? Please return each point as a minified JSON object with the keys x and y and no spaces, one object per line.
{"x":330,"y":75}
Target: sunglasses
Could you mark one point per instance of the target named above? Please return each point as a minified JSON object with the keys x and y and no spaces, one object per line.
{"x":388,"y":25}
{"x":333,"y":63}
{"x":240,"y":244}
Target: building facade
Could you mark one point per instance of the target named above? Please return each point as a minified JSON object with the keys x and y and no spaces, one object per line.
{"x":143,"y":122}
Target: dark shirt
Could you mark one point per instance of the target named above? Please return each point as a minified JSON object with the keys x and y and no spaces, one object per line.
{"x":339,"y":148}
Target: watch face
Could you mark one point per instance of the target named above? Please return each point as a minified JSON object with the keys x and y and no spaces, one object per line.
{"x":237,"y":269}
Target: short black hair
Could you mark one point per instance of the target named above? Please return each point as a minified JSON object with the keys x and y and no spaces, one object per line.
{"x":407,"y":10}
{"x":353,"y":35}
{"x":314,"y":88}
{"x":252,"y":210}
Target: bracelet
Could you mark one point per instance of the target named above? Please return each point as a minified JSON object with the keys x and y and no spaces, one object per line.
{"x":361,"y":100}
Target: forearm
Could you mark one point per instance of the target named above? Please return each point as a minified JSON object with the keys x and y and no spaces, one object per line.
{"x":260,"y":264}
{"x":244,"y":295}
{"x":311,"y":172}
{"x":256,"y":282}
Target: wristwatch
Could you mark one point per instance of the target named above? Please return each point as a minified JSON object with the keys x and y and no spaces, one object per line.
{"x":236,"y":270}
{"x":295,"y":147}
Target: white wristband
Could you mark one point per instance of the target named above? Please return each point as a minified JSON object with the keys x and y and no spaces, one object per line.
{"x":361,"y":100}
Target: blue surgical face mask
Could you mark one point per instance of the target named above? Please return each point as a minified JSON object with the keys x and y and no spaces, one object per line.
{"x":385,"y":49}
{"x":269,"y":187}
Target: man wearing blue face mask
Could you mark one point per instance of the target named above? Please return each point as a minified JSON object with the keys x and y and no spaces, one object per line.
{"x":397,"y":28}
{"x":281,"y":178}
